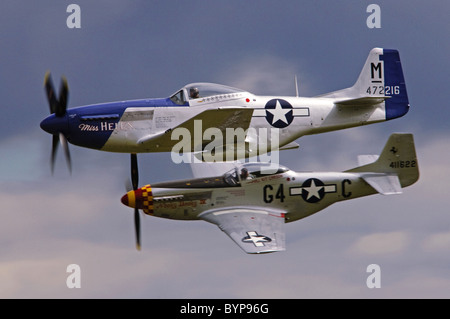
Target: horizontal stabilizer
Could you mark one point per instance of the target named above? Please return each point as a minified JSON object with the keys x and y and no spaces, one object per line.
{"x":383,"y":183}
{"x":367,"y":159}
{"x":362,"y":101}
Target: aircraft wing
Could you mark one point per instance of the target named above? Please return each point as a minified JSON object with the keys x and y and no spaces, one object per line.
{"x":219,"y":118}
{"x":254,"y":230}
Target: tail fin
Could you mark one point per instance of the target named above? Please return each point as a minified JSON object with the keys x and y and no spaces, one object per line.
{"x":398,"y":158}
{"x":381,"y":79}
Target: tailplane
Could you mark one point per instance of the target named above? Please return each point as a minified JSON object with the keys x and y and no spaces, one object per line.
{"x":395,"y":168}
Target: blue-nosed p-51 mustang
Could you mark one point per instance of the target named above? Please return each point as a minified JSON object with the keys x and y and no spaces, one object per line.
{"x":150,"y":125}
{"x":252,"y":202}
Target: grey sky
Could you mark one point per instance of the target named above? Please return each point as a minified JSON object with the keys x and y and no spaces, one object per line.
{"x":137,"y":49}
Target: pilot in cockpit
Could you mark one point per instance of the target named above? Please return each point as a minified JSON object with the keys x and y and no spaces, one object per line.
{"x":194,"y":93}
{"x":244,"y":174}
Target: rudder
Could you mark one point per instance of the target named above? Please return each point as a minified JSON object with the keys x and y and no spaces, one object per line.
{"x":394,"y":84}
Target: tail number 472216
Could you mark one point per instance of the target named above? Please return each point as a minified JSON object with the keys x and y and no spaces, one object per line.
{"x":386,"y":90}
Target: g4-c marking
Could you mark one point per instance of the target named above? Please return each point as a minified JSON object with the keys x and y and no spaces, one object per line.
{"x":344,"y":192}
{"x":268,"y":197}
{"x":403,"y":164}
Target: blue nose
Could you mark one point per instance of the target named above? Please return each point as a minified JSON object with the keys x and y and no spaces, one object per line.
{"x":55,"y":125}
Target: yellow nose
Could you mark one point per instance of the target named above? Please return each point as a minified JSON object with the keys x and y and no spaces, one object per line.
{"x":129,"y":199}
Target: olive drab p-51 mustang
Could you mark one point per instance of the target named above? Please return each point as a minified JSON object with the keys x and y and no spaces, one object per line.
{"x":150,"y":125}
{"x":252,"y":202}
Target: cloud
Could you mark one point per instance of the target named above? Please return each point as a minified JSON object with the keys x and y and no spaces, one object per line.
{"x":382,"y":243}
{"x":265,"y":74}
{"x":19,"y":154}
{"x":107,"y":271}
{"x":437,"y":242}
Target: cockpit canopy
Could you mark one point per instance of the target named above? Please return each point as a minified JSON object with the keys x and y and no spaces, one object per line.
{"x":232,"y":178}
{"x":250,"y":171}
{"x":204,"y":90}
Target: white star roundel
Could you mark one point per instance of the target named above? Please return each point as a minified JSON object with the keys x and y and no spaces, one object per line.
{"x":255,"y":238}
{"x":313,"y":190}
{"x":279,"y":113}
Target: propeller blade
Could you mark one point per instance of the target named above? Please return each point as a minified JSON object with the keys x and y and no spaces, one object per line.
{"x":63,"y":97}
{"x":134,"y":171}
{"x":55,"y":143}
{"x":65,"y":146}
{"x":50,"y":92}
{"x":56,"y":140}
{"x":59,"y":108}
{"x":135,"y":183}
{"x":137,"y":226}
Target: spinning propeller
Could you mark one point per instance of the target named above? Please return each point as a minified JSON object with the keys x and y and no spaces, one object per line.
{"x":57,"y":123}
{"x":137,"y":198}
{"x":135,"y":182}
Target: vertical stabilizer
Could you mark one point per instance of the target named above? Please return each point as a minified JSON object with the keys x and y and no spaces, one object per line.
{"x":381,"y":81}
{"x":397,"y":158}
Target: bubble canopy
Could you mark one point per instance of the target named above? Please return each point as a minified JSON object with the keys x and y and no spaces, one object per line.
{"x":203,"y":89}
{"x":252,"y":170}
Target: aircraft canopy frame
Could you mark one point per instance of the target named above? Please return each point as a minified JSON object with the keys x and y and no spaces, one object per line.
{"x":201,"y":90}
